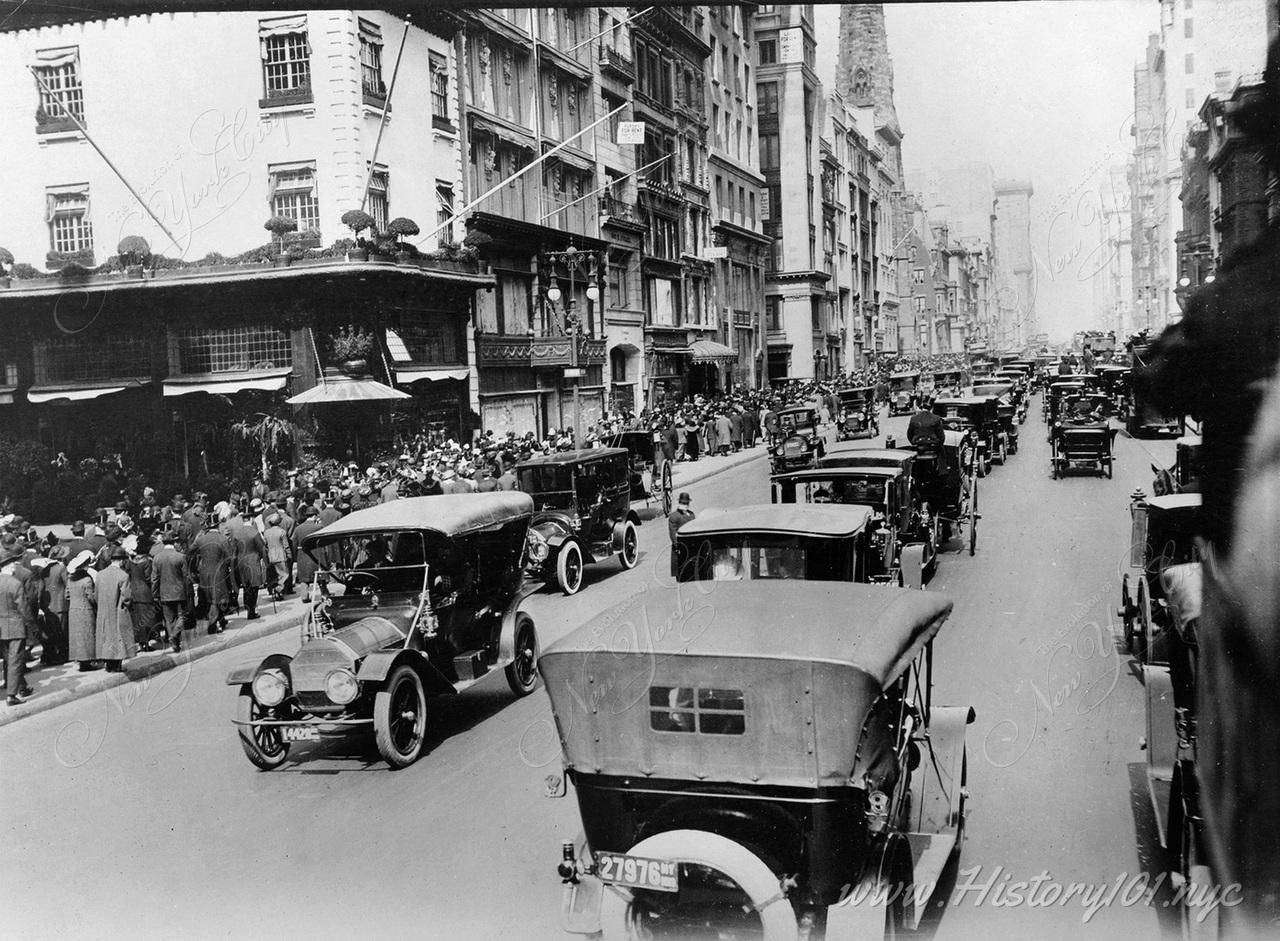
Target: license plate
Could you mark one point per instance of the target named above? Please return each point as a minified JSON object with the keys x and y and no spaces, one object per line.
{"x":299,"y":733}
{"x":636,"y":872}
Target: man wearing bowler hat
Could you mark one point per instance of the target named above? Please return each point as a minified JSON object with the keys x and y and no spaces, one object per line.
{"x":679,"y":516}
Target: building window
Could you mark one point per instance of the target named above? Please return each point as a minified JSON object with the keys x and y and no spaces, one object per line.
{"x":377,"y":205}
{"x":1186,"y":27}
{"x":67,"y":212}
{"x":439,"y":87}
{"x":444,"y":211}
{"x":1190,"y":65}
{"x":767,"y":95}
{"x":769,"y":154}
{"x":619,"y":290}
{"x":775,"y":201}
{"x":1191,"y":97}
{"x":92,"y":356}
{"x":371,"y":60}
{"x":917,"y":304}
{"x":772,"y":314}
{"x":917,"y":276}
{"x":293,"y":195}
{"x":431,"y":337}
{"x":751,"y":201}
{"x":768,"y":49}
{"x":232,"y":349}
{"x":59,"y":69}
{"x":286,"y":57}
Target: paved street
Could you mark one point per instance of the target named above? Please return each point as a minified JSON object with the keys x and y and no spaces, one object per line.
{"x":139,"y":805}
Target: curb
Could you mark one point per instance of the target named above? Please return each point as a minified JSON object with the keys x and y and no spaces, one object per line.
{"x":153,"y":666}
{"x":698,"y":476}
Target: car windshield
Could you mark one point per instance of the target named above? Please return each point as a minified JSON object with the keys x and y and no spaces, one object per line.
{"x":790,"y":420}
{"x":755,"y":556}
{"x":379,"y":561}
{"x":550,"y":485}
{"x":950,"y":412}
{"x":859,"y":490}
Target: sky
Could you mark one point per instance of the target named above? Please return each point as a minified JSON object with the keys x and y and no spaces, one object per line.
{"x":1041,"y":91}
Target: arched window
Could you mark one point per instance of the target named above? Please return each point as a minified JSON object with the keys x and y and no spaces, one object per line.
{"x":861,"y":86}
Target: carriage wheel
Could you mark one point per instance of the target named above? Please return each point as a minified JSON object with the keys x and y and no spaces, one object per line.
{"x":1142,"y":629}
{"x":665,"y":495}
{"x":1126,"y":612}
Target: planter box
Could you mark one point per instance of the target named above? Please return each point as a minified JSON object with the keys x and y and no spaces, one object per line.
{"x":380,"y":259}
{"x":357,"y":254}
{"x":283,"y":261}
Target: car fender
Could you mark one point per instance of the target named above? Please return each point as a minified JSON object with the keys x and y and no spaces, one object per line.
{"x":911,"y":565}
{"x":507,"y":636}
{"x":555,"y":532}
{"x":376,"y":667}
{"x":246,"y":672}
{"x":620,"y":528}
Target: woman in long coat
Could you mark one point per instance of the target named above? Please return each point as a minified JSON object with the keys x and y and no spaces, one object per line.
{"x":115,"y":642}
{"x":144,"y":611}
{"x":82,"y":611}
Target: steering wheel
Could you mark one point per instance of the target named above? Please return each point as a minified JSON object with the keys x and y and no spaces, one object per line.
{"x":359,"y":579}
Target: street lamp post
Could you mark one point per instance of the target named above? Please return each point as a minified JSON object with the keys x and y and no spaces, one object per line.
{"x":575,"y":263}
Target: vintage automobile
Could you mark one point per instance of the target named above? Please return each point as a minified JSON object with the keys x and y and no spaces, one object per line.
{"x":979,"y":415}
{"x":948,"y":381}
{"x":859,"y":455}
{"x":1113,"y":381}
{"x":1081,"y":435}
{"x":750,"y":543}
{"x":769,"y":766}
{"x":414,"y":599}
{"x":1164,"y":530}
{"x":902,"y":392}
{"x":1012,"y":406}
{"x":900,"y":539}
{"x":859,"y":413}
{"x":582,"y":513}
{"x":1143,"y":419}
{"x":1057,"y":390}
{"x":797,"y":442}
{"x":650,"y":474}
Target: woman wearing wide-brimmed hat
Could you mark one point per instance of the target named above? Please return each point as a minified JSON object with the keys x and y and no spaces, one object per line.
{"x":82,"y":611}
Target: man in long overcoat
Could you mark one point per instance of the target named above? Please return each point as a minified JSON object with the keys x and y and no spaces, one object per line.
{"x":14,"y":625}
{"x":114,"y":640}
{"x":169,"y":580}
{"x":250,"y":561}
{"x":213,"y":559}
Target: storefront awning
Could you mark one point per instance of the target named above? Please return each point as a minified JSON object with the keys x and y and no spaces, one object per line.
{"x":337,"y":391}
{"x":225,"y":383}
{"x":408,"y":374}
{"x":6,"y":394}
{"x":709,"y":351}
{"x":78,"y":392}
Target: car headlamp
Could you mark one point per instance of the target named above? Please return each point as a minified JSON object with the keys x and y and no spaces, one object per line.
{"x":537,"y":543}
{"x":270,"y":687}
{"x":341,"y":687}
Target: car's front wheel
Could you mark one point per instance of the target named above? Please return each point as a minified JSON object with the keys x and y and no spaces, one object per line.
{"x":569,"y":568}
{"x":400,"y":718}
{"x":629,"y":556}
{"x":263,"y":745}
{"x":522,"y":672}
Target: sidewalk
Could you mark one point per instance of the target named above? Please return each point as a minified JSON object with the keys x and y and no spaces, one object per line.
{"x":54,"y":686}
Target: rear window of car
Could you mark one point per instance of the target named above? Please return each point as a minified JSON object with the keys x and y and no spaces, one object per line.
{"x":697,"y":709}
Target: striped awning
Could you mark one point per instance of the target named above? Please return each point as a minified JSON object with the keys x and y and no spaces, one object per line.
{"x":709,"y":351}
{"x":225,"y":383}
{"x":347,"y":390}
{"x":79,"y":392}
{"x":408,"y":374}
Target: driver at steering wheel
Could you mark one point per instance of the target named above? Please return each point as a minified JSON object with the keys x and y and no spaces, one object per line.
{"x":925,"y":431}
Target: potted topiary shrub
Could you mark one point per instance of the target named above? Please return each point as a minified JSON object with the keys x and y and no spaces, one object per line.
{"x":278,"y":226}
{"x":134,"y":253}
{"x":357,"y":220}
{"x":352,"y":347}
{"x":403,"y":228}
{"x":6,"y":267}
{"x":384,"y":248}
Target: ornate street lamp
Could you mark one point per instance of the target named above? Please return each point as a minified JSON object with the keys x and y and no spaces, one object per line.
{"x":577,"y":264}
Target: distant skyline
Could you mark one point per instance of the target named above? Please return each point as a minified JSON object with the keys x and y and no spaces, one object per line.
{"x":1040,"y":91}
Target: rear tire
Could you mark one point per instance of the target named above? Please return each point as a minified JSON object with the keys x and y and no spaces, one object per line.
{"x":569,"y":568}
{"x":400,"y":718}
{"x":262,"y":744}
{"x":666,"y":488}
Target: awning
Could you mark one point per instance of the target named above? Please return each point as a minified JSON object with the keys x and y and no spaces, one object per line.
{"x":336,"y":391}
{"x":78,"y":392}
{"x":6,"y":394}
{"x":225,"y":383}
{"x":409,"y":374}
{"x":709,"y":351}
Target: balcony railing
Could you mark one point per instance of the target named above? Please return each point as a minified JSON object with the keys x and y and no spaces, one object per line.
{"x":540,"y":351}
{"x":612,"y":61}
